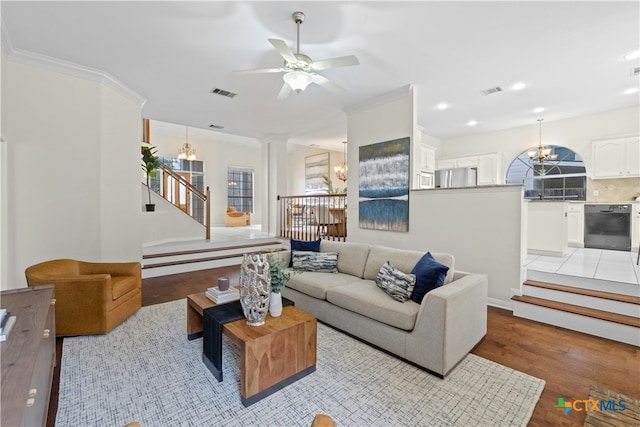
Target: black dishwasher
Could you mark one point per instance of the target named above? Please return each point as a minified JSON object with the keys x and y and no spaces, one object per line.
{"x":607,"y":227}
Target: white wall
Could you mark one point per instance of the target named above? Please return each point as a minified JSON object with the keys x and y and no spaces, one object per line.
{"x":4,"y":203}
{"x":481,"y":227}
{"x":574,"y":133}
{"x":218,"y":151}
{"x":167,"y":224}
{"x":65,"y":200}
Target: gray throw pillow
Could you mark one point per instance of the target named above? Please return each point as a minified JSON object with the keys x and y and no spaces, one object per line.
{"x":395,"y":283}
{"x":323,"y":262}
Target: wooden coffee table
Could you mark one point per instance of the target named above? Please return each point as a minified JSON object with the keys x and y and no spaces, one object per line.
{"x":272,"y":356}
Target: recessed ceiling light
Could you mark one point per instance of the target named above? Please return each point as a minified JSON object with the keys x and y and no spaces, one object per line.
{"x":630,"y":90}
{"x":538,"y":110}
{"x":632,"y":55}
{"x":472,"y":123}
{"x":518,"y":86}
{"x":442,"y":106}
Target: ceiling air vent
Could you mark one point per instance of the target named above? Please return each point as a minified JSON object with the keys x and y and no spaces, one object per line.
{"x":216,"y":126}
{"x":491,"y":90}
{"x":223,"y":92}
{"x":635,"y":71}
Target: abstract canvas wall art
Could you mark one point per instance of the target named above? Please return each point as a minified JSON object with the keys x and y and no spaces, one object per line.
{"x":384,"y":185}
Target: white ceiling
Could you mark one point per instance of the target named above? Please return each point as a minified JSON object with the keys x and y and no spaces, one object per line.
{"x":570,"y":54}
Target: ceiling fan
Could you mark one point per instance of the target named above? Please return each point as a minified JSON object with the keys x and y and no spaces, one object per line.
{"x":300,"y":70}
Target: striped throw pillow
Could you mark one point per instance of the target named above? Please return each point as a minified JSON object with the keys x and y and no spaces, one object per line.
{"x":395,"y":283}
{"x":322,"y":262}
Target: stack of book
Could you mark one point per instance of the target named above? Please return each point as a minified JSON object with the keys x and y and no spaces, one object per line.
{"x":6,"y":323}
{"x":219,"y":297}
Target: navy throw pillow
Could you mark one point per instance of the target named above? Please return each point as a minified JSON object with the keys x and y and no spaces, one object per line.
{"x":430,"y":274}
{"x":304,"y":245}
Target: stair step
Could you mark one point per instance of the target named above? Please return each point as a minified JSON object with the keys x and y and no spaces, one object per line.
{"x":583,"y":311}
{"x":202,"y":256}
{"x":206,"y":250}
{"x":587,"y":292}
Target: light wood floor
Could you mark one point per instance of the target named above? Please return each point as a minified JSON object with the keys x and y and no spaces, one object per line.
{"x":570,"y":362}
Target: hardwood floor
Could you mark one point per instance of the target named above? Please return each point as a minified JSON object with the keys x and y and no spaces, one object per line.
{"x":569,"y":362}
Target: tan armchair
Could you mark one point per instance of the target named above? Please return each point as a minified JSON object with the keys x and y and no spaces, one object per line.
{"x":91,"y":297}
{"x":234,"y":218}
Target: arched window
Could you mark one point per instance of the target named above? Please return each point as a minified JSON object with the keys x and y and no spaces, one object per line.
{"x":562,"y":176}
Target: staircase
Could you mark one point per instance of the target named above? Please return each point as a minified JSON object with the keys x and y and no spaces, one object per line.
{"x":605,"y":309}
{"x":174,"y":259}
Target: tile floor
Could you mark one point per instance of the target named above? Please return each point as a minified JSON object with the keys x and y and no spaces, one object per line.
{"x":616,"y":266}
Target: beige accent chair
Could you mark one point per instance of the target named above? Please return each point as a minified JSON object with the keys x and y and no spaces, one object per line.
{"x":91,"y":297}
{"x":234,"y":218}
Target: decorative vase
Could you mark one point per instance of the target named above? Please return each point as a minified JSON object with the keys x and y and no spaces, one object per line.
{"x":275,"y":304}
{"x":255,"y":288}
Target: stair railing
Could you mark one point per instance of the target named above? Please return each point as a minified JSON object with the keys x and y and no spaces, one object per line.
{"x":312,"y":217}
{"x":186,"y":197}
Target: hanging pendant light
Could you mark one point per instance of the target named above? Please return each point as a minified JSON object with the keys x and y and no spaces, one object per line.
{"x":341,"y":170}
{"x":187,"y":152}
{"x":541,"y":154}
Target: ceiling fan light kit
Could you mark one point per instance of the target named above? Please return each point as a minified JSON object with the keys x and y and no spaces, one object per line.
{"x":298,"y":80}
{"x":299,"y":68}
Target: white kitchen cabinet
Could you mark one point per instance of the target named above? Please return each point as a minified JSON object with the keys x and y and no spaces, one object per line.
{"x":447,"y":163}
{"x":467,"y":162}
{"x":616,"y":158}
{"x":459,"y":162}
{"x":547,"y":228}
{"x":427,"y":158}
{"x":575,"y":224}
{"x":490,"y":169}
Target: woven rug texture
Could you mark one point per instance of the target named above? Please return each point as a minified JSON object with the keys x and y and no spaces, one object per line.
{"x":146,"y":370}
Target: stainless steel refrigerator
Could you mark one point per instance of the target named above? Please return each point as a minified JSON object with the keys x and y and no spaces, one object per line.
{"x":456,"y":177}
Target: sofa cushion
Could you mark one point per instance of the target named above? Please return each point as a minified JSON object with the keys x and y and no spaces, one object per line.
{"x":304,"y":245}
{"x":365,"y":298}
{"x":121,"y":285}
{"x":429,"y":274}
{"x":325,"y":262}
{"x":316,"y":284}
{"x":395,"y":283}
{"x":352,"y":257}
{"x":402,"y":259}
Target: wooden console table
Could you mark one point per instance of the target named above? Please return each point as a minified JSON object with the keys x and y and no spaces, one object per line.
{"x":28,"y":356}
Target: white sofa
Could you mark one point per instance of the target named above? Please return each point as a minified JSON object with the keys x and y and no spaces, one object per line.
{"x":434,"y":335}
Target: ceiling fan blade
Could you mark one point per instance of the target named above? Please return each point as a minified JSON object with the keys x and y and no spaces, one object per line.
{"x":261,"y":70}
{"x":284,"y":92}
{"x":343,"y":61}
{"x":283,"y":50}
{"x":327,"y":84}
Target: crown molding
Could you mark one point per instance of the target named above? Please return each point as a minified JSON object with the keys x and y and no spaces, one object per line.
{"x":76,"y":70}
{"x":385,"y":98}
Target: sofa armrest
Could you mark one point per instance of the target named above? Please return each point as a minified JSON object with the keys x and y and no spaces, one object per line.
{"x":452,"y":319}
{"x":81,"y":300}
{"x":112,"y":268}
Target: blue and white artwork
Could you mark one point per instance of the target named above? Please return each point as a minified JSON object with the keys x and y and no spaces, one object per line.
{"x":384,"y":185}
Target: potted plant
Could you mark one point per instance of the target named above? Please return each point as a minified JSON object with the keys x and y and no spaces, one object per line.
{"x":279,"y":276}
{"x":150,"y":162}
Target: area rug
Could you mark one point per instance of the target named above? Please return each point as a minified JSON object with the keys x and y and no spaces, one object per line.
{"x":146,"y":370}
{"x":613,"y":414}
